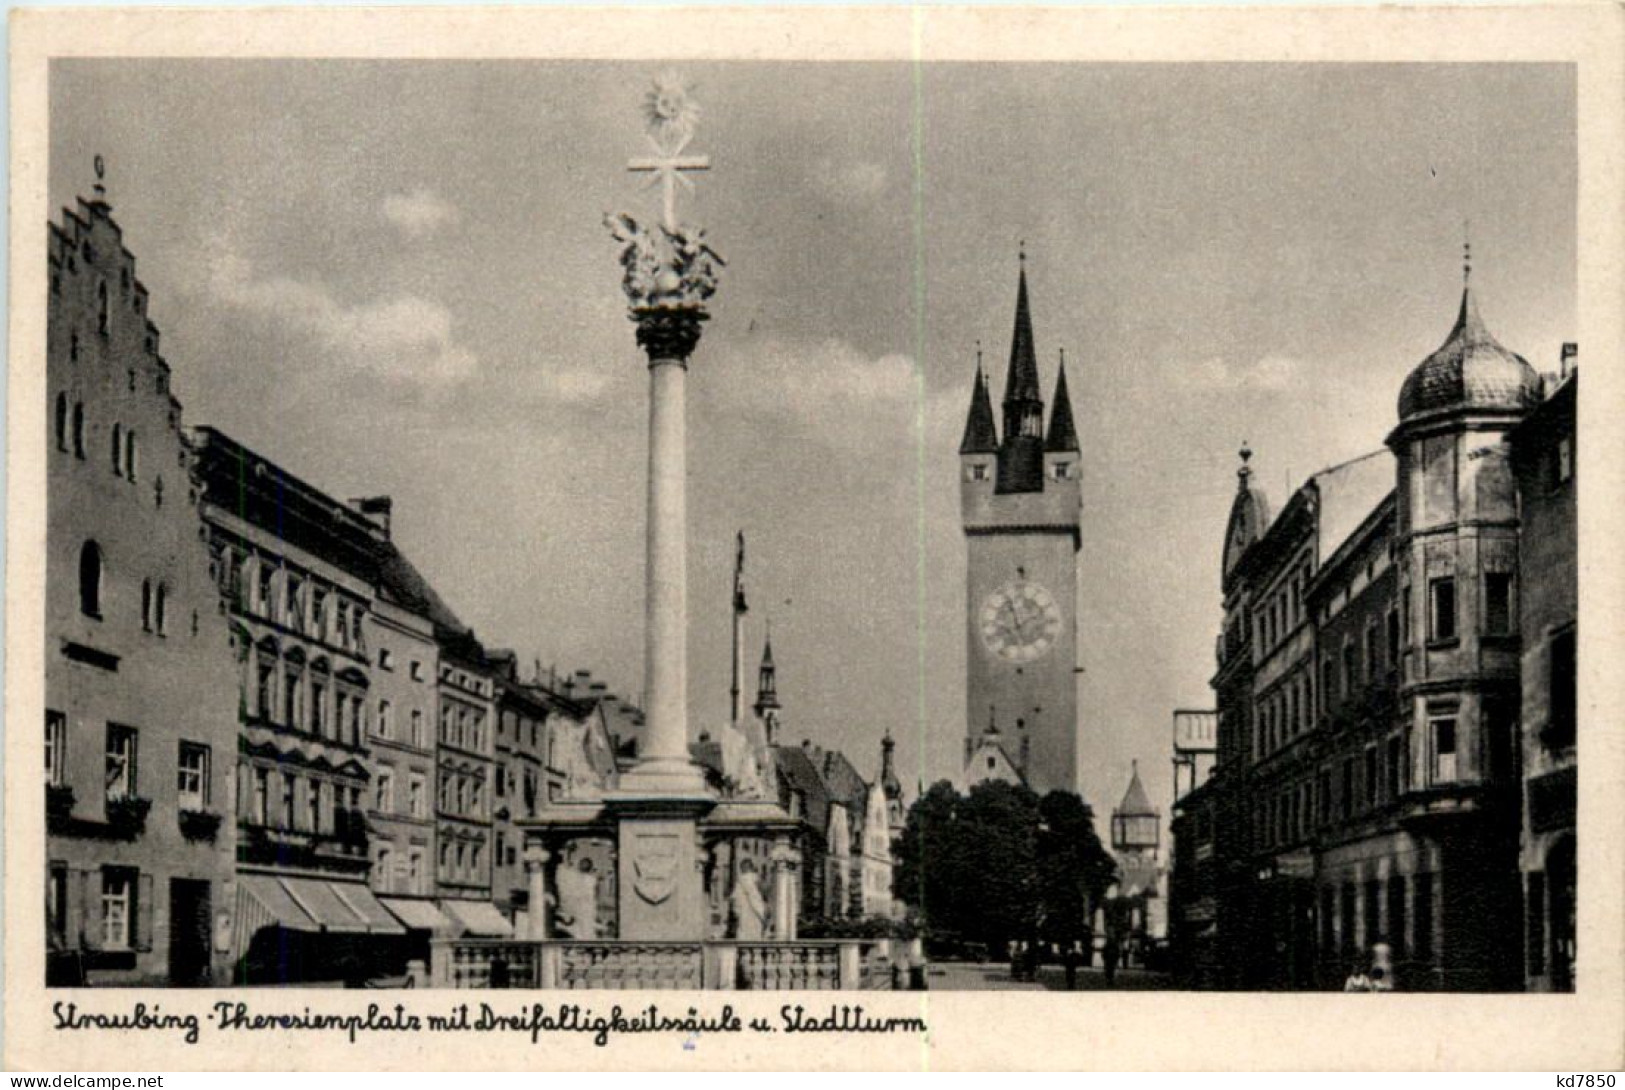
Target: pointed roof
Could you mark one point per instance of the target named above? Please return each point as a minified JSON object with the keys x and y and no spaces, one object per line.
{"x":981,"y":434}
{"x":1021,"y":381}
{"x":1136,"y":803}
{"x":1063,"y":434}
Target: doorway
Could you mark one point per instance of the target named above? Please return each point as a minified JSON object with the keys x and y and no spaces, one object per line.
{"x":189,"y":919}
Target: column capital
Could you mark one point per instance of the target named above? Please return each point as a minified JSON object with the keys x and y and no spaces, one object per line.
{"x":536,"y":856}
{"x":669,"y":334}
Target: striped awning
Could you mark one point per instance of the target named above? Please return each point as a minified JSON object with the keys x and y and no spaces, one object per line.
{"x":360,"y":900}
{"x":420,"y":915}
{"x":310,"y":905}
{"x":478,"y":918}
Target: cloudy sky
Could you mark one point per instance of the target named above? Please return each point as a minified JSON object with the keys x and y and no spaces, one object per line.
{"x":392,"y":278}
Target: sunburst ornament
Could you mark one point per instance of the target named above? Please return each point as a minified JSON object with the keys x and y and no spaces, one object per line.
{"x":670,"y":113}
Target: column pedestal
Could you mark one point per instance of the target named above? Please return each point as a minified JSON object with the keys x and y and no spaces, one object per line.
{"x":536,"y":858}
{"x":661,"y":870}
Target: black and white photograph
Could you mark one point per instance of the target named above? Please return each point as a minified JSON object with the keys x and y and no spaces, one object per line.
{"x":711,"y":524}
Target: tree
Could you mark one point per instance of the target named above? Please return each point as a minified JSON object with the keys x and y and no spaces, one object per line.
{"x":1000,"y":864}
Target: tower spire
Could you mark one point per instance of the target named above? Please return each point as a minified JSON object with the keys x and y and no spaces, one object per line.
{"x":981,"y":434}
{"x":1021,"y":454}
{"x":1063,"y":433}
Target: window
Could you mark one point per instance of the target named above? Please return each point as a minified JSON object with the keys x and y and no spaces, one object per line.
{"x":56,"y":904}
{"x":157,"y":491}
{"x":104,"y":316}
{"x":1563,"y":698}
{"x":118,"y":908}
{"x":192,"y":776}
{"x":90,"y":580}
{"x":262,"y":794}
{"x":1371,"y":776}
{"x":285,"y":814}
{"x":318,"y":708}
{"x":1393,"y":639}
{"x":417,"y":728}
{"x":315,"y":794}
{"x":1405,"y":615}
{"x":296,"y":602}
{"x":1373,"y":651}
{"x":417,"y":670}
{"x":385,"y":786}
{"x":118,"y":450}
{"x":1498,"y":618}
{"x":1565,"y":459}
{"x":1328,"y":684}
{"x":1062,"y":470}
{"x":318,"y":613}
{"x":1351,"y":666}
{"x":160,"y":610}
{"x":132,"y":458}
{"x":415,"y":796}
{"x":79,"y":429}
{"x":266,"y":673}
{"x":263,"y":587}
{"x":121,"y":747}
{"x":344,"y":623}
{"x":977,"y":472}
{"x":1422,"y":904}
{"x":385,"y":866}
{"x":1443,"y":730}
{"x":386,"y":659}
{"x":1396,"y":914}
{"x":62,"y":422}
{"x":146,"y":605}
{"x":56,"y":747}
{"x":1395,"y":758}
{"x":293,"y":698}
{"x":414,"y":871}
{"x":386,"y":719}
{"x":1347,"y":806}
{"x":1442,"y":608}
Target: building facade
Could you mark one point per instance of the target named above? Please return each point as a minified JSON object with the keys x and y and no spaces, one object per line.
{"x":1365,"y":801}
{"x":294,"y":570}
{"x":1544,"y":458}
{"x":465,"y":756}
{"x":401,"y":743}
{"x":1020,"y":500}
{"x":141,"y":712}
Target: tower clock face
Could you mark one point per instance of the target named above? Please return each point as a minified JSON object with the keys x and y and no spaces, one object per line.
{"x":1020,"y":621}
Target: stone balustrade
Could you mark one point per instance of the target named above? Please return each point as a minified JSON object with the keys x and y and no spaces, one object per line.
{"x":612,"y":964}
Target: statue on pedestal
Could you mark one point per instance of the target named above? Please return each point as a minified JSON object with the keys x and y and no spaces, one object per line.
{"x":749,"y":909}
{"x":578,"y":901}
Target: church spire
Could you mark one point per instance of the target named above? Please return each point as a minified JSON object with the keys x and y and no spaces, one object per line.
{"x":1021,"y":455}
{"x":767,"y":684}
{"x":981,"y":434}
{"x":1063,"y":434}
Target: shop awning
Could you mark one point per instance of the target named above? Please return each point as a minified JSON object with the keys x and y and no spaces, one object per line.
{"x":360,"y":900}
{"x":419,"y":915}
{"x":262,"y":902}
{"x":478,"y":918}
{"x":341,"y":907}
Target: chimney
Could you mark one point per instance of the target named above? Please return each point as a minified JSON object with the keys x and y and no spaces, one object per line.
{"x":377,"y":510}
{"x":1568,"y":359}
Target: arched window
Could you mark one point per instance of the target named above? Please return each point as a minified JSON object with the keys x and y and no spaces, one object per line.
{"x":118,"y":450}
{"x":160,"y":618}
{"x":104,"y":316}
{"x":130,"y":455}
{"x":79,"y":428}
{"x":61,"y":421}
{"x":90,"y":580}
{"x":146,"y":605}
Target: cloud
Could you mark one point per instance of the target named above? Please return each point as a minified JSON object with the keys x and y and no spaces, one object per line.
{"x":1269,"y":373}
{"x":405,"y":338}
{"x":851,"y":181}
{"x":418,"y":214}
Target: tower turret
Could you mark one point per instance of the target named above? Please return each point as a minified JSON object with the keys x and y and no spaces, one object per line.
{"x":767,"y":693}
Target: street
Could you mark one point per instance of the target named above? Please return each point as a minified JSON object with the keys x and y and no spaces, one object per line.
{"x":992,"y":976}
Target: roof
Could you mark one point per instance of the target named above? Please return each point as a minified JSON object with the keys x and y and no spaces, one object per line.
{"x":1470,"y":371}
{"x":981,"y":433}
{"x":1347,"y":493}
{"x":799,"y":773}
{"x":1063,"y":434}
{"x":399,"y":581}
{"x":1136,"y":803}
